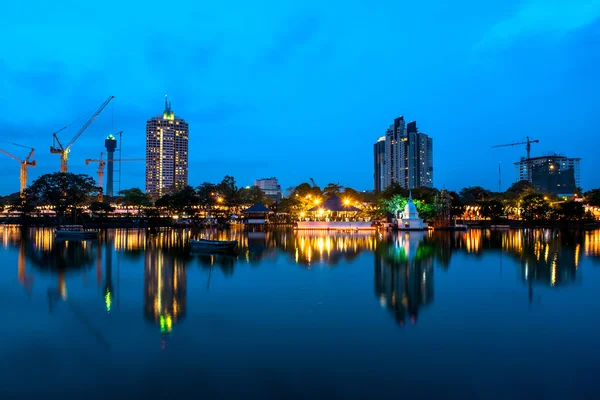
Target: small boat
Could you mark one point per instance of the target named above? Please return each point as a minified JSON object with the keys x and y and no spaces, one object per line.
{"x":213,"y":244}
{"x":499,"y":226}
{"x":74,"y":232}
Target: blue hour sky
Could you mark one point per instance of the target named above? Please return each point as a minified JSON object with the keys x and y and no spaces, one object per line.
{"x":303,"y":89}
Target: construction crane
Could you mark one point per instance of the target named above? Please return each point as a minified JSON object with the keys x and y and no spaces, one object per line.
{"x":101,"y":163}
{"x":313,"y":182}
{"x":27,"y":162}
{"x":528,"y":147}
{"x":58,"y":148}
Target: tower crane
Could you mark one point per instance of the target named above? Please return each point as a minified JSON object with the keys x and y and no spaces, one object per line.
{"x":527,"y":142}
{"x":27,"y":162}
{"x":58,"y":148}
{"x":101,"y":163}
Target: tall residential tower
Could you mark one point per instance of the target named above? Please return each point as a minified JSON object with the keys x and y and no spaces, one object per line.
{"x":408,"y":156}
{"x":166,"y":153}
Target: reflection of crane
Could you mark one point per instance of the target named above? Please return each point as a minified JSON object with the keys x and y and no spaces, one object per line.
{"x":64,"y":151}
{"x":528,"y":144}
{"x":101,"y":163}
{"x":24,"y":164}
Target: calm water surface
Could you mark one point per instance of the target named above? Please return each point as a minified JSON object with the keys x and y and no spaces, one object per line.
{"x":478,"y":314}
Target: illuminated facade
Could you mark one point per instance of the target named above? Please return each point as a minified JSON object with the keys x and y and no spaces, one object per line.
{"x":379,"y":164}
{"x":408,"y":156}
{"x":166,"y":153}
{"x":270,"y":187}
{"x":551,"y":174}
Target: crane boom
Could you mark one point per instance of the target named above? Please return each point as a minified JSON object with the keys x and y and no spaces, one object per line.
{"x":527,"y":143}
{"x":88,"y":123}
{"x":10,"y":155}
{"x":24,"y":165}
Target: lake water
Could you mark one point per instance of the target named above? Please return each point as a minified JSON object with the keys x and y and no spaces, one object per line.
{"x":477,"y":314}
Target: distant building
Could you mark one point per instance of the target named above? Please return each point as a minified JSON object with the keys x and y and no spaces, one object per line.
{"x":551,"y":174}
{"x":166,"y":153}
{"x":270,"y":187}
{"x":379,"y":164}
{"x":408,"y":156}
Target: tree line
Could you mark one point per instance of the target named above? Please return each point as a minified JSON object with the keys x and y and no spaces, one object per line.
{"x":67,"y":193}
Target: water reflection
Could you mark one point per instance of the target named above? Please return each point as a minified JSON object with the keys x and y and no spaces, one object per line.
{"x":165,"y":295}
{"x":404,"y":275}
{"x":403,"y":263}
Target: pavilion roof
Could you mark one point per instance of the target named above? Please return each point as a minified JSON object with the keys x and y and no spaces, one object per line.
{"x":258,"y":208}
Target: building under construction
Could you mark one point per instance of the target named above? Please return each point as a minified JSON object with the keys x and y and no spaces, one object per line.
{"x":551,"y":174}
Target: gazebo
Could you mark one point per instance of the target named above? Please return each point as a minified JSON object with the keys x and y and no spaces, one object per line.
{"x":258,"y":214}
{"x":334,"y":209}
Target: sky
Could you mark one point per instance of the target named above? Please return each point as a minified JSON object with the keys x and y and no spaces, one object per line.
{"x":302,"y":90}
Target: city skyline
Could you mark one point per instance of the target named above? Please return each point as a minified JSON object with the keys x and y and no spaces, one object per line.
{"x":487,"y":74}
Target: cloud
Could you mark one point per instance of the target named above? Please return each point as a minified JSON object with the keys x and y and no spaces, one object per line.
{"x":299,"y":31}
{"x":554,"y":18}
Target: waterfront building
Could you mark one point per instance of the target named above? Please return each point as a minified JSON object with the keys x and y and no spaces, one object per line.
{"x":551,"y":174}
{"x":408,"y":156}
{"x":270,"y":187}
{"x":379,"y":164}
{"x":166,"y":153}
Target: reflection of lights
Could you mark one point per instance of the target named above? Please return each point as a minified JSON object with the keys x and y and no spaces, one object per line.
{"x":107,"y":300}
{"x":166,"y":323}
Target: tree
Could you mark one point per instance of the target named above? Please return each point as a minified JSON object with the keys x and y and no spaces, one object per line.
{"x":207,"y":196}
{"x":101,"y":209}
{"x":64,"y":190}
{"x":492,"y":209}
{"x":253,"y":195}
{"x":534,"y":206}
{"x":570,"y":211}
{"x":520,"y":189}
{"x":473,"y":194}
{"x":394,"y":189}
{"x":457,"y":206}
{"x":134,"y":197}
{"x":592,"y":197}
{"x":184,"y":201}
{"x":331,"y":189}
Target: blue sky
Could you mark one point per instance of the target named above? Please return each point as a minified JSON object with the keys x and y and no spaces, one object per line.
{"x":303,"y":89}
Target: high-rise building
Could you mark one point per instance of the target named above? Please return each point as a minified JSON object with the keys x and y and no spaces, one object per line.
{"x":408,"y":156}
{"x":270,"y":187}
{"x":551,"y":174}
{"x":166,"y":153}
{"x":379,"y":164}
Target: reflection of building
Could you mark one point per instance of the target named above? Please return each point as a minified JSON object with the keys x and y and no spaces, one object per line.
{"x":408,"y":156}
{"x":404,"y":275}
{"x":270,"y":187}
{"x":551,"y":174}
{"x":166,"y":153}
{"x":164,"y":289}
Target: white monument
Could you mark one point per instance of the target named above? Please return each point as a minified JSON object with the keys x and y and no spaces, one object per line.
{"x":409,"y":219}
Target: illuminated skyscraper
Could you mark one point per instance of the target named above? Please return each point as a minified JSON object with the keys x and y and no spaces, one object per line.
{"x":379,"y":164}
{"x":166,"y":153}
{"x":408,"y":156}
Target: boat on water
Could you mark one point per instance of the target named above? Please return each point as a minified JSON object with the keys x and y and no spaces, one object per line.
{"x":74,"y":232}
{"x":499,"y":226}
{"x":208,"y":244}
{"x":454,"y":226}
